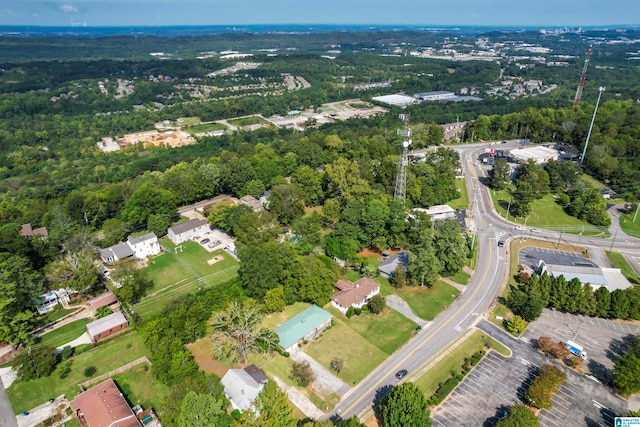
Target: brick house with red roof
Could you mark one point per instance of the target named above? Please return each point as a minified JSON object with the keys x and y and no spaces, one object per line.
{"x":104,"y":406}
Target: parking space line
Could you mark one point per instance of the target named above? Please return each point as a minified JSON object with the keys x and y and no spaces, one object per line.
{"x":547,"y":412}
{"x":544,"y":415}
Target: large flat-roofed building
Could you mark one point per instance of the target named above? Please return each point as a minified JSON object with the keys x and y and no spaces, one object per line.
{"x":610,"y":278}
{"x":540,"y":154}
{"x":104,"y":406}
{"x":440,"y":95}
{"x":438,"y":212}
{"x":106,"y":326}
{"x":398,"y":100}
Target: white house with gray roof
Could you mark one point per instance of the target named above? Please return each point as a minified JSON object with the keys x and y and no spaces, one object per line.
{"x":144,"y":246}
{"x":138,"y":247}
{"x":187,"y":230}
{"x":242,"y":386}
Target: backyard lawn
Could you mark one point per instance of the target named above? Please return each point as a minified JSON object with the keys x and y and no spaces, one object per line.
{"x":429,"y":382}
{"x":273,"y":320}
{"x":57,"y":313}
{"x":141,"y":388}
{"x":174,"y":274}
{"x":64,"y":334}
{"x":359,"y":355}
{"x":107,"y":356}
{"x":426,"y":302}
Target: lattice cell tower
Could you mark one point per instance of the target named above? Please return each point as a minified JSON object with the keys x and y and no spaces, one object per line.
{"x":583,"y":76}
{"x":400,"y":192}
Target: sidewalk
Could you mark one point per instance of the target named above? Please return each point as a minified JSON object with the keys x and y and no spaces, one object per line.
{"x":325,"y":382}
{"x":300,"y":400}
{"x":458,"y":286}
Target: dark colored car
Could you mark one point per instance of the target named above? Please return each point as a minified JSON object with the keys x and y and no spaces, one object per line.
{"x":401,"y":374}
{"x":500,"y":243}
{"x":204,"y":241}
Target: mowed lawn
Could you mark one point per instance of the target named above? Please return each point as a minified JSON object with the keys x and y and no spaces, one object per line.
{"x":628,"y":226}
{"x":107,"y":356}
{"x":463,"y":201}
{"x":426,"y":302}
{"x":174,"y":274}
{"x":64,"y":334}
{"x":141,"y":388}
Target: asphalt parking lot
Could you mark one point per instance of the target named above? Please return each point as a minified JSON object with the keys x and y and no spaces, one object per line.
{"x":532,"y":256}
{"x":498,"y":382}
{"x":213,"y":236}
{"x":602,"y":339}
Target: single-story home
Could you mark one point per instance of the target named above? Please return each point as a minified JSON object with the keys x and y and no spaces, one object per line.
{"x":187,"y":230}
{"x":304,"y":326}
{"x":354,"y":294}
{"x":390,"y":264}
{"x":27,"y":231}
{"x":103,"y":300}
{"x":610,"y":278}
{"x":242,"y":386}
{"x":138,"y":247}
{"x":116,"y":252}
{"x":46,"y":302}
{"x":102,"y":406}
{"x":252,"y":202}
{"x":106,"y":326}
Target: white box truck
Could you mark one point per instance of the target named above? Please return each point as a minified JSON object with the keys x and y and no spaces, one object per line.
{"x":576,"y":350}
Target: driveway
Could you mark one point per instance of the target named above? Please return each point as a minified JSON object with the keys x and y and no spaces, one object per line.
{"x":325,"y":382}
{"x":6,"y":411}
{"x":300,"y":400}
{"x":82,"y":339}
{"x":8,"y":376}
{"x":40,"y":413}
{"x":398,"y":304}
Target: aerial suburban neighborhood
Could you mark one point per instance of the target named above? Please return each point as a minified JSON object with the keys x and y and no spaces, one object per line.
{"x":318,"y":225}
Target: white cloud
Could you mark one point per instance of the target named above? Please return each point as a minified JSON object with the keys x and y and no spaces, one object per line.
{"x":67,"y":8}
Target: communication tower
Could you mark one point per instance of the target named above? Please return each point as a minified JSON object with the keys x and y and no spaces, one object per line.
{"x":583,"y":76}
{"x":400,"y":192}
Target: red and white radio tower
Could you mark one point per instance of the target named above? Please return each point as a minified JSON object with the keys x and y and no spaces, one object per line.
{"x":583,"y":76}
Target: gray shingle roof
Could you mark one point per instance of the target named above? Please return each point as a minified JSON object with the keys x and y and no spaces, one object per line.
{"x":104,"y":324}
{"x":189,"y":225}
{"x":120,"y":251}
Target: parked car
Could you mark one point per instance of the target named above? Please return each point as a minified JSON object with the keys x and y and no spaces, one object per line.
{"x":401,"y":374}
{"x":500,"y":243}
{"x":204,"y":241}
{"x":214,"y":244}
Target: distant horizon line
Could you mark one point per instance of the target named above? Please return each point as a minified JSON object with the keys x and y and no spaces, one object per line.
{"x":365,"y":25}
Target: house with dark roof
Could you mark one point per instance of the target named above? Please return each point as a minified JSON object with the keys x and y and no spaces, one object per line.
{"x":354,"y":294}
{"x":242,"y":386}
{"x":116,"y":252}
{"x":390,"y":264}
{"x":106,"y":326}
{"x":104,"y":406}
{"x":304,"y":326}
{"x":187,"y":230}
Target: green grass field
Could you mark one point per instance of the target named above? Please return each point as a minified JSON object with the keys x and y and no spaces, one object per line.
{"x":359,"y":355}
{"x":429,"y":382}
{"x":427,"y":303}
{"x":57,"y":313}
{"x":463,"y":201}
{"x":388,"y":330}
{"x":619,"y":261}
{"x":109,"y":355}
{"x":546,"y":213}
{"x":175,"y":274}
{"x":141,"y":388}
{"x":206,"y":127}
{"x":630,"y":227}
{"x":461,"y":277}
{"x":273,"y":320}
{"x":64,"y":334}
{"x":247,"y":121}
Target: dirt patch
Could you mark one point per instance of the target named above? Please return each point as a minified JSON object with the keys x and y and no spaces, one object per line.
{"x":203,"y":355}
{"x":215,"y":259}
{"x":159,"y":139}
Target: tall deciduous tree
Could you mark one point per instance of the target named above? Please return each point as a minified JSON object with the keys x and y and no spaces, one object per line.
{"x":519,"y":416}
{"x":272,"y":407}
{"x":148,"y":200}
{"x":500,"y":175}
{"x":626,"y":371}
{"x":238,"y":331}
{"x":286,"y":202}
{"x":201,"y":410}
{"x":404,"y":406}
{"x":74,"y":270}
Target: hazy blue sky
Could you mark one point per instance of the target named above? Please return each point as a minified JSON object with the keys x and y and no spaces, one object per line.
{"x":392,"y":12}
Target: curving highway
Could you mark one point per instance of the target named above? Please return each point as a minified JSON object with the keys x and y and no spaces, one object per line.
{"x":481,"y":292}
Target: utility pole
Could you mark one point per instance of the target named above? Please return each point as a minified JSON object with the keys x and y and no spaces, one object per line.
{"x":509,"y":207}
{"x":636,"y":214}
{"x":614,"y":241}
{"x":593,"y":119}
{"x":560,"y":238}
